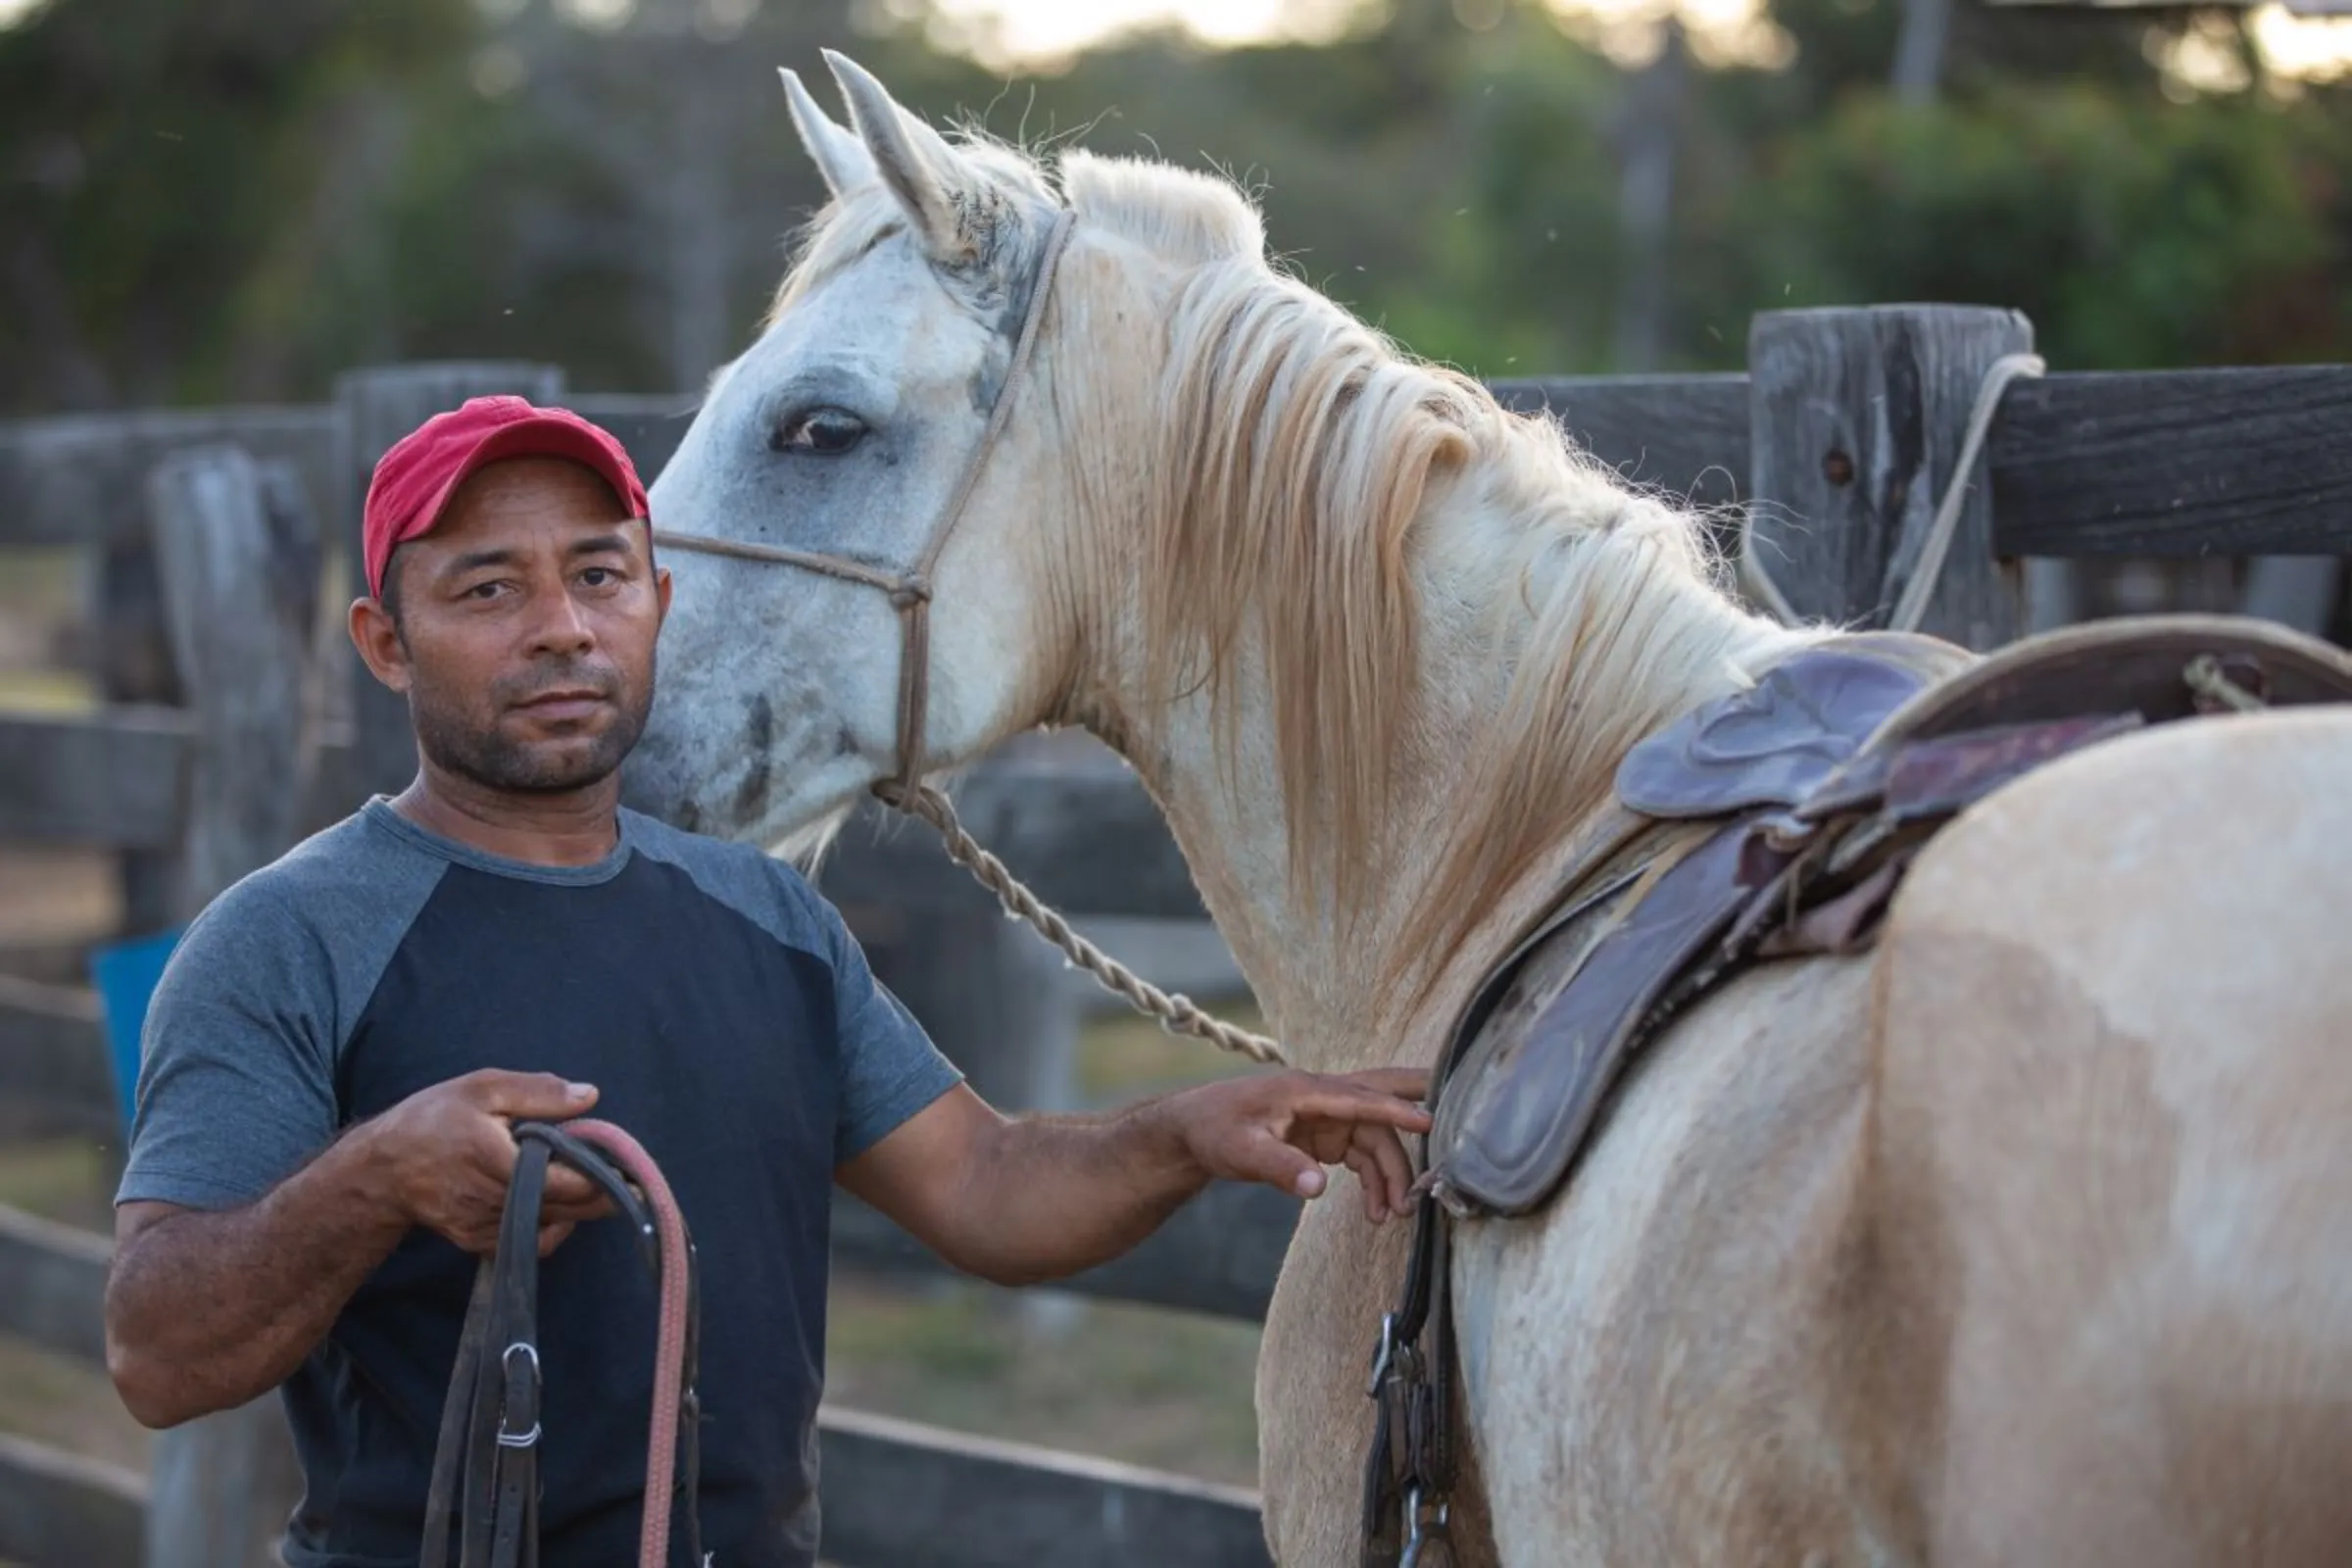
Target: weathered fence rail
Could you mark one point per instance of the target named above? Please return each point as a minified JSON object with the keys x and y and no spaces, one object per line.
{"x":1842,"y":437}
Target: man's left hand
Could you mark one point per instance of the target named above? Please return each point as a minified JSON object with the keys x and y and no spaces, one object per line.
{"x":1283,"y":1128}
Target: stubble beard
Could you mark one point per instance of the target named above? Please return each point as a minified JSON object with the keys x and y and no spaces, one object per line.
{"x":483,"y":755}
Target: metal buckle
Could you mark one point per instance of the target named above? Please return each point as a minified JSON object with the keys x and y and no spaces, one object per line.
{"x":1382,"y":1354}
{"x":1422,"y":1527}
{"x":508,"y":1439}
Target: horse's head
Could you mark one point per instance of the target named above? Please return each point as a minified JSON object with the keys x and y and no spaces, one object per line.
{"x":843,"y":436}
{"x":1321,"y":592}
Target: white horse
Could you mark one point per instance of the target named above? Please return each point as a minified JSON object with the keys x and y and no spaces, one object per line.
{"x":2024,"y":1238}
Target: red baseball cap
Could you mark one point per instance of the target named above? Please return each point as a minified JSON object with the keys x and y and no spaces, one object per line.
{"x":413,"y":482}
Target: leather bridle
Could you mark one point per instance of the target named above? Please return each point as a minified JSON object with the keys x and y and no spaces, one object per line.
{"x":909,"y":591}
{"x":485,"y":1479}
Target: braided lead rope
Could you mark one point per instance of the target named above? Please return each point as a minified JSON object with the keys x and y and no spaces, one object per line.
{"x":1179,"y":1014}
{"x":1912,"y":608}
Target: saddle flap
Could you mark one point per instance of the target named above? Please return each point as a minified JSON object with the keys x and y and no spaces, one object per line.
{"x":1770,"y":745}
{"x":1535,"y":1076}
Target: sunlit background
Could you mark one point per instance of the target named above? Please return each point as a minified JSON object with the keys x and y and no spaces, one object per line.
{"x":210,"y":199}
{"x":1016,"y":34}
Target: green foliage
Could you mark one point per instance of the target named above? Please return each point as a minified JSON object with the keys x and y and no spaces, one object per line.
{"x":168,"y":174}
{"x":2132,"y":230}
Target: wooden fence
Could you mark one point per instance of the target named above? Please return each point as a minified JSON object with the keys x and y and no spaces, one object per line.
{"x":1841,"y":438}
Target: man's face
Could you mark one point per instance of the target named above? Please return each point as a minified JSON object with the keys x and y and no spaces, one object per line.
{"x":526,"y":630}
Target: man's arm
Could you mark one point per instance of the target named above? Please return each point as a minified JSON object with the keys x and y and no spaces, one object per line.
{"x":1020,"y":1200}
{"x":208,"y":1309}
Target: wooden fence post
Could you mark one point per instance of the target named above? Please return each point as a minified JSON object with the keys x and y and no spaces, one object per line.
{"x":132,"y":659}
{"x":2298,"y":591}
{"x":961,"y":971}
{"x":380,"y":404}
{"x":237,"y":551}
{"x":1855,"y":419}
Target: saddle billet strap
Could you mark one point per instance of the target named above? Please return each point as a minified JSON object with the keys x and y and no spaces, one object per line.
{"x":1409,"y":1468}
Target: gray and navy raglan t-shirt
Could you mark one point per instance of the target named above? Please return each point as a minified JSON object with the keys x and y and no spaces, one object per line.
{"x":729,"y":1022}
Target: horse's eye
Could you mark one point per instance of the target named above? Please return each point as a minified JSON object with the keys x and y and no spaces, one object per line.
{"x":827,"y":432}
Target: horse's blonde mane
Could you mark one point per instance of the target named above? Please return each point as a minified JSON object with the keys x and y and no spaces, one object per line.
{"x":1295,"y":450}
{"x":1300,"y":451}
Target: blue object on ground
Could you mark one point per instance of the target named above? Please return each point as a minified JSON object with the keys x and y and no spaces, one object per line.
{"x":125,"y":975}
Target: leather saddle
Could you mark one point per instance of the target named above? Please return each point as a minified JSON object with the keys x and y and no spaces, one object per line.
{"x":1774,"y":821}
{"x":1779,"y":820}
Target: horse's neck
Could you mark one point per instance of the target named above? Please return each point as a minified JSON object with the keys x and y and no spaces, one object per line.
{"x":1322,"y":985}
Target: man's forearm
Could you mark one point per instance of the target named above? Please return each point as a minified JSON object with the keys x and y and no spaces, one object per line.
{"x":1055,"y":1196}
{"x":206,"y":1310}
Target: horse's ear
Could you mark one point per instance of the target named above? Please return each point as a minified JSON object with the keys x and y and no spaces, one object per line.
{"x":838,"y":156}
{"x":918,"y":164}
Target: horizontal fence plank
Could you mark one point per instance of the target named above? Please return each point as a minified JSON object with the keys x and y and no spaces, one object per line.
{"x":898,"y":1494}
{"x":61,"y":1508}
{"x":2236,"y":460}
{"x":2227,"y":461}
{"x":54,"y":1072}
{"x":1685,"y":435}
{"x":1084,"y":835}
{"x":53,"y":1285}
{"x":895,"y":1494}
{"x":81,"y":478}
{"x":1219,"y":1255}
{"x":106,"y":778}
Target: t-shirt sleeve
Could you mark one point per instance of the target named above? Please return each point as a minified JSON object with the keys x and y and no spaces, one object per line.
{"x":889,"y":1067}
{"x":236,"y":1082}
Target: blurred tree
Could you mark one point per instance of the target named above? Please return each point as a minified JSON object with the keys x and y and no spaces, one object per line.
{"x":175,"y":173}
{"x":2133,"y":231}
{"x":204,"y":199}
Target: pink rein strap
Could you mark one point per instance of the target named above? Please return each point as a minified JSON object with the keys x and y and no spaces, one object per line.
{"x":670,"y":1361}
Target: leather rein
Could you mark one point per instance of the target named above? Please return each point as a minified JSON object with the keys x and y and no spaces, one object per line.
{"x":486,"y":1462}
{"x":909,"y":591}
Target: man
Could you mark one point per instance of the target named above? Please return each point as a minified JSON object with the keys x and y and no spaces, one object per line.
{"x":342,"y":1041}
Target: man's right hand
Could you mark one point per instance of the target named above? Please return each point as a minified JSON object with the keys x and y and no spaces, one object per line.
{"x":450,"y":1151}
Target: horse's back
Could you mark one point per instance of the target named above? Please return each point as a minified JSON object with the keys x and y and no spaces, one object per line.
{"x":2114,"y":1180}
